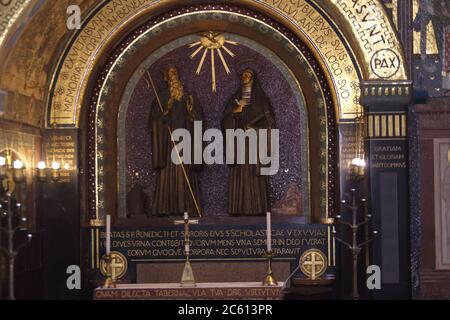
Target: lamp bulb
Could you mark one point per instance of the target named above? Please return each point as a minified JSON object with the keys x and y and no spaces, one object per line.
{"x":56,"y":165}
{"x":18,"y":164}
{"x":41,"y":165}
{"x":358,"y":162}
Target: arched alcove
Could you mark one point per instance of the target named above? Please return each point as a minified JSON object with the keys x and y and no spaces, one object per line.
{"x":128,"y":63}
{"x":337,"y":60}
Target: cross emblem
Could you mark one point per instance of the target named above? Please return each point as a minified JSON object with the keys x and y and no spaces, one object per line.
{"x":313,"y":263}
{"x":115,"y":265}
{"x":187,"y":222}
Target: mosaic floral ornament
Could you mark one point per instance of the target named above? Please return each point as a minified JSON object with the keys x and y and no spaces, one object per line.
{"x":212,"y":41}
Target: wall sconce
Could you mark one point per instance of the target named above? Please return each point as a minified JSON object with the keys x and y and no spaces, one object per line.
{"x":18,"y":171}
{"x":41,"y":171}
{"x":55,"y":173}
{"x":358,"y":166}
{"x":15,"y":171}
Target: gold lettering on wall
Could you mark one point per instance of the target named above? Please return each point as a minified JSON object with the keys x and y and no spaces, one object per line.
{"x":187,"y":293}
{"x":388,"y":157}
{"x":224,"y":243}
{"x":83,"y":55}
{"x":332,"y":52}
{"x":349,"y":146}
{"x":381,"y":50}
{"x":62,"y":148}
{"x":375,"y":32}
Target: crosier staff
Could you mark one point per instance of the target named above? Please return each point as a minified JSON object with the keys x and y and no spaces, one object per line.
{"x":186,"y":178}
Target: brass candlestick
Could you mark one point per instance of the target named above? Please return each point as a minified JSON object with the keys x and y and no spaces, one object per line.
{"x":269,"y":280}
{"x":110,"y":282}
{"x":355,"y":247}
{"x":187,"y":279}
{"x":113,"y":267}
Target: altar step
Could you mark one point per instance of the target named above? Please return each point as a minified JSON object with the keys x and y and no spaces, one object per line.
{"x":202,"y":291}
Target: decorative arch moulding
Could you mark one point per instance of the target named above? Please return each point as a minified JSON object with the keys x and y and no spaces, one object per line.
{"x":12,"y":11}
{"x":348,"y":54}
{"x":116,"y":63}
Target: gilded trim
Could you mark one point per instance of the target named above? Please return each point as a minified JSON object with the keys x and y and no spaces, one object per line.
{"x":326,"y":44}
{"x":387,"y":125}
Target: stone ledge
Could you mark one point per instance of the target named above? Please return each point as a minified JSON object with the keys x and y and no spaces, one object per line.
{"x":174,"y":291}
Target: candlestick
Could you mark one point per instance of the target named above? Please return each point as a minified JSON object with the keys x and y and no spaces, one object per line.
{"x":187,"y":279}
{"x":110,"y":281}
{"x":108,"y":234}
{"x":269,"y":232}
{"x":269,"y":279}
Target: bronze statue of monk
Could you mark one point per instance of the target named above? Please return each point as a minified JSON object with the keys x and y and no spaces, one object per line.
{"x":249,"y":108}
{"x":176,"y":189}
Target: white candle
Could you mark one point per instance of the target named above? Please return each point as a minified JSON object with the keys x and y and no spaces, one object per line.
{"x":186,"y":216}
{"x":269,"y":232}
{"x":108,"y":234}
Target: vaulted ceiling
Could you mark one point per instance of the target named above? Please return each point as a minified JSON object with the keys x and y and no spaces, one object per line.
{"x":32,"y":33}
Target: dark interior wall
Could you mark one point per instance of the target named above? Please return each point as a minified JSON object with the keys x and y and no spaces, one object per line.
{"x":60,"y":203}
{"x":433,"y":123}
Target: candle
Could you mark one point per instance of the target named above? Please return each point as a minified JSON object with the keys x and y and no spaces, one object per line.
{"x":186,"y":231}
{"x":269,"y":232}
{"x":108,"y":234}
